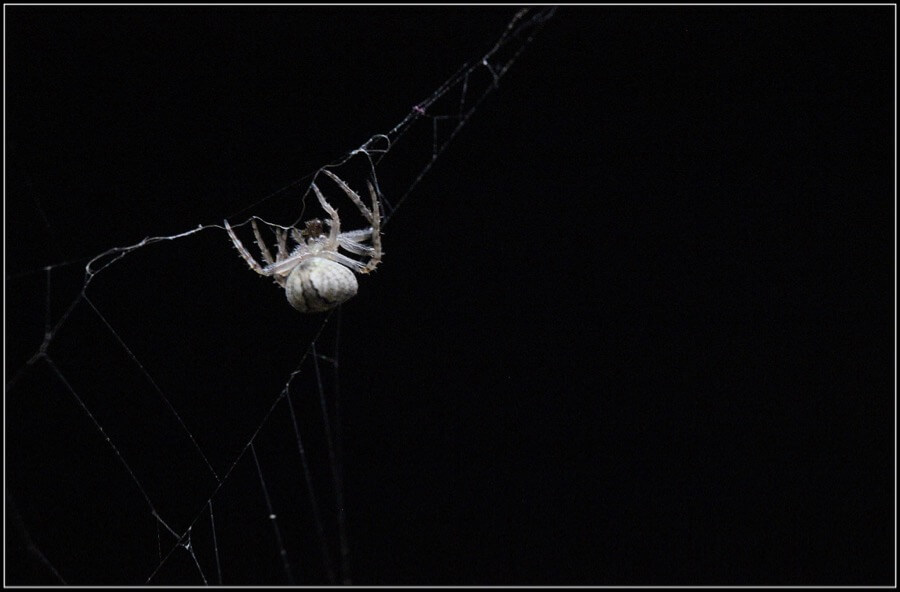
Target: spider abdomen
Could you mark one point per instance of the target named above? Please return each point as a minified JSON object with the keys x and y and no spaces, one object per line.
{"x":318,"y":284}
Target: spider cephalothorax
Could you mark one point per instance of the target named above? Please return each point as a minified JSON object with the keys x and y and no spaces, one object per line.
{"x":315,"y":275}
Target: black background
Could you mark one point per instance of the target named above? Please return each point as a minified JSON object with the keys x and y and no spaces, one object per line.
{"x":634,"y":327}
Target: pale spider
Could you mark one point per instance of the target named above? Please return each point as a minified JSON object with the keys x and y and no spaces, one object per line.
{"x":315,"y":275}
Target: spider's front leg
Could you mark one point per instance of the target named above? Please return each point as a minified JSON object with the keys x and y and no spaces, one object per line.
{"x":245,"y":254}
{"x":376,"y":231}
{"x":335,"y":230}
{"x":266,"y":255}
{"x":243,"y":250}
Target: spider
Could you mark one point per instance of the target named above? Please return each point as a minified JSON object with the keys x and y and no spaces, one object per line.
{"x":315,"y":275}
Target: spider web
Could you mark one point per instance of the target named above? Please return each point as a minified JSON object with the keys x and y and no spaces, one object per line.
{"x":119,"y":470}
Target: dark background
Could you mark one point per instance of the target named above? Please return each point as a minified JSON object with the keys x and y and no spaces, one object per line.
{"x":634,"y":327}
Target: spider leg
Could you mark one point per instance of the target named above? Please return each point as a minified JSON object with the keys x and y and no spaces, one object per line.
{"x":348,"y":244}
{"x":335,"y":230}
{"x":351,"y":194}
{"x":353,"y":264}
{"x":357,"y":236}
{"x":243,"y":250}
{"x":281,"y":236}
{"x":376,"y":231}
{"x":283,"y":268}
{"x":373,"y":216}
{"x":266,"y":255}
